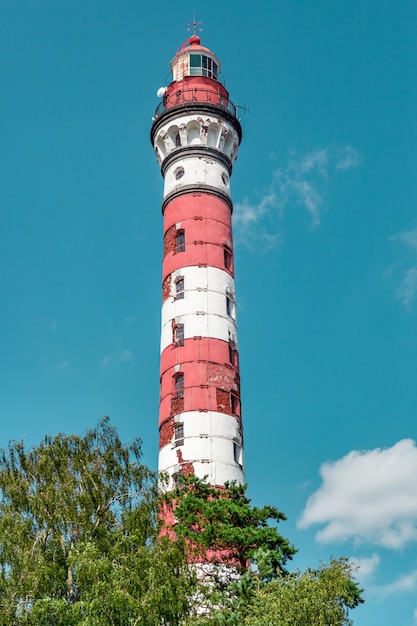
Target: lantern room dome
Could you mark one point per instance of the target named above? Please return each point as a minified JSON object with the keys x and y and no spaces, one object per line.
{"x":193,"y":59}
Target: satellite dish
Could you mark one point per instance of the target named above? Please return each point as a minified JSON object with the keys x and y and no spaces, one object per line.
{"x":161,"y":92}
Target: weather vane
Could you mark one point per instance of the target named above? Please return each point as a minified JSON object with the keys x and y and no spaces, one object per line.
{"x":194,"y":26}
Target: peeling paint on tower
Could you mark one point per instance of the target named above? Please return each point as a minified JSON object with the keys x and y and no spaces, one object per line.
{"x":195,"y":135}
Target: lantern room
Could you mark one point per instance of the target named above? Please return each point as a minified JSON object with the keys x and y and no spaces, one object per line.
{"x":196,"y":78}
{"x":192,"y":59}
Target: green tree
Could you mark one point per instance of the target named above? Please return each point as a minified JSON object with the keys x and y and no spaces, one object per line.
{"x":79,"y":537}
{"x":222,"y":520}
{"x":80,"y":545}
{"x":320,"y":597}
{"x":219,"y":526}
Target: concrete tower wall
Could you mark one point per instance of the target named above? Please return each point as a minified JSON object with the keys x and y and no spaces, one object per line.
{"x":196,"y":137}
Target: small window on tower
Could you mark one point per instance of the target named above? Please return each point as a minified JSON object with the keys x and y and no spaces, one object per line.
{"x":179,"y":385}
{"x":179,"y":172}
{"x":227,"y":257}
{"x":179,"y":335}
{"x":230,"y":306}
{"x":235,"y":404}
{"x":179,"y":288}
{"x":180,"y":241}
{"x":233,"y":356}
{"x":179,"y":434}
{"x":237,"y":454}
{"x":225,"y":180}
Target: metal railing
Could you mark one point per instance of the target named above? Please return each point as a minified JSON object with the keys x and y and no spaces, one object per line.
{"x":195,"y":94}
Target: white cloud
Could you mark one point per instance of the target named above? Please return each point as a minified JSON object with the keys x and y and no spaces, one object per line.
{"x":407,"y":290}
{"x":403,"y":584}
{"x":125,"y":356}
{"x":309,"y":197}
{"x":246,"y":213}
{"x":366,"y":565}
{"x":247,"y":221}
{"x":61,"y":366}
{"x":299,"y":182}
{"x":367,"y":496}
{"x":348,"y":158}
{"x":316,"y":160}
{"x":52,"y":325}
{"x":117,"y":357}
{"x":409,"y":237}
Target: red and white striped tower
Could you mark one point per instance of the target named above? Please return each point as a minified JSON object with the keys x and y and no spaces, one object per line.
{"x":196,"y":134}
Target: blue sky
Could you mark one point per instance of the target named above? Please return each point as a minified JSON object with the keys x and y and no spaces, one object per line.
{"x":326,"y":251}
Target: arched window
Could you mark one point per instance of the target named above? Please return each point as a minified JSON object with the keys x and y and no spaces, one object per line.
{"x":233,"y":354}
{"x":193,"y":133}
{"x":179,"y":288}
{"x":227,"y":257}
{"x":235,"y":403}
{"x":180,"y":241}
{"x":230,"y":306}
{"x":179,"y":385}
{"x":238,"y":454}
{"x":179,"y":434}
{"x":178,"y":335}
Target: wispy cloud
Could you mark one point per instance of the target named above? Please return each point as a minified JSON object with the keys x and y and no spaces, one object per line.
{"x":308,"y":196}
{"x":299,"y":182}
{"x":246,"y":213}
{"x":409,"y":237}
{"x":250,"y":222}
{"x":45,"y":324}
{"x":61,"y":366}
{"x":125,"y":356}
{"x":366,"y":565}
{"x":348,"y":158}
{"x":52,"y":325}
{"x":408,"y":289}
{"x":317,"y":160}
{"x":117,"y":357}
{"x":367,"y":496}
{"x":407,"y":276}
{"x":403,"y":584}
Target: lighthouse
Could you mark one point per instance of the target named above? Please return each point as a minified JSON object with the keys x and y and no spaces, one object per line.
{"x":196,"y":135}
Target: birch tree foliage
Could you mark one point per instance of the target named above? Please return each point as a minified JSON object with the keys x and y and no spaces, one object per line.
{"x":80,"y":545}
{"x":321,"y":597}
{"x":79,"y":536}
{"x":315,"y":597}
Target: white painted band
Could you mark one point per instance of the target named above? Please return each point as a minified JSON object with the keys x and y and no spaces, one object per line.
{"x":204,"y":309}
{"x":192,"y":170}
{"x":211,"y":442}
